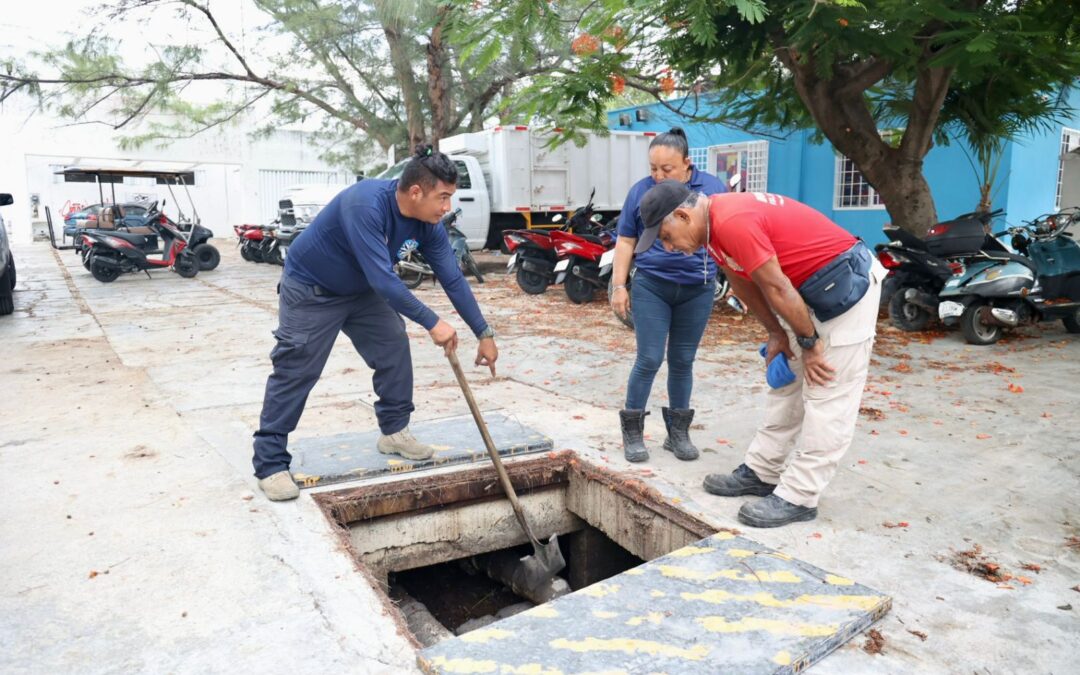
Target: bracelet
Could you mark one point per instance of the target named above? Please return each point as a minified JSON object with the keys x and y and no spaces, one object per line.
{"x":615,"y":288}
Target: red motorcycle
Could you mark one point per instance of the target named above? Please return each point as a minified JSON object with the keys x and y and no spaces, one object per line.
{"x":250,"y":240}
{"x":532,"y":259}
{"x":533,"y":255}
{"x":580,"y":269}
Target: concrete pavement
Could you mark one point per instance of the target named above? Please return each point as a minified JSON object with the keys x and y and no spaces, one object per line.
{"x":135,"y":538}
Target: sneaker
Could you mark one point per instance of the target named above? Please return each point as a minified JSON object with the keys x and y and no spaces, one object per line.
{"x":279,"y":487}
{"x":405,"y":444}
{"x":772,"y":511}
{"x":741,"y":481}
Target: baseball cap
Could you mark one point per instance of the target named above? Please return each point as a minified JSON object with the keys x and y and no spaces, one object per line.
{"x":657,"y":204}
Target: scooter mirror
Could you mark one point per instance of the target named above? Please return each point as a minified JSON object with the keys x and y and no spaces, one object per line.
{"x":557,"y":218}
{"x":596,"y":218}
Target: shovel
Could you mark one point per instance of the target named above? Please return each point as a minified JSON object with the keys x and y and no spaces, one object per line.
{"x":535,"y":571}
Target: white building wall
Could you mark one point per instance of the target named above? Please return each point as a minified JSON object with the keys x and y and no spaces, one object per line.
{"x":232,"y":171}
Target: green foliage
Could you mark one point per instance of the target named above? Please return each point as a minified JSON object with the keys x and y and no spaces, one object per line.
{"x":364,"y":70}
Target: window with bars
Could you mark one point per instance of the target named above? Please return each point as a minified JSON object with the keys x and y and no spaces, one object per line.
{"x":749,"y":160}
{"x":699,"y":157}
{"x":1070,"y":140}
{"x":851,"y":191}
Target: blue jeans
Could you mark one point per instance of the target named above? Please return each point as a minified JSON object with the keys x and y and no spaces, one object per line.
{"x":671,"y":313}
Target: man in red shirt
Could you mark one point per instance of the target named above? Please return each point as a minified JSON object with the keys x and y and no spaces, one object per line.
{"x":816,"y":289}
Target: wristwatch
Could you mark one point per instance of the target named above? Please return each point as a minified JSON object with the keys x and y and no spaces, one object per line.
{"x":807,"y":342}
{"x":488,"y":332}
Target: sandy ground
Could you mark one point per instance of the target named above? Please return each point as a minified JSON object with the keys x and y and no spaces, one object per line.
{"x":134,"y":538}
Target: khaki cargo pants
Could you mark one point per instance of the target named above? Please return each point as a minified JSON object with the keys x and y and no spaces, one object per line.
{"x":817,"y":423}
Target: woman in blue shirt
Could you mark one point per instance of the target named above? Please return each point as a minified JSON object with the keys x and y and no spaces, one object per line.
{"x":672,"y":298}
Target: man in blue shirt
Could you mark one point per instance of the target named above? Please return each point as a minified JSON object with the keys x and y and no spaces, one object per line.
{"x":339,"y":277}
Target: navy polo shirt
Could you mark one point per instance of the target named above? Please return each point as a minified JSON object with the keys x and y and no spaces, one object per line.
{"x":351,"y":247}
{"x":656,"y":262}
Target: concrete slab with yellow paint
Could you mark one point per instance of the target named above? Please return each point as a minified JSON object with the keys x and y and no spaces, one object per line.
{"x":722,"y":605}
{"x":352,"y":456}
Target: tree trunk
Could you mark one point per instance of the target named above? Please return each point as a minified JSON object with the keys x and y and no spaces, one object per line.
{"x":840,"y":109}
{"x":402,"y":63}
{"x":906,"y":194}
{"x":438,"y":66}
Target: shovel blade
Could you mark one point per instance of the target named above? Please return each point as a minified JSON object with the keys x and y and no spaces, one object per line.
{"x":536,"y":571}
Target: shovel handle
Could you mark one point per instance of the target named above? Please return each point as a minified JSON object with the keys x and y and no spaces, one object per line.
{"x":492,"y":452}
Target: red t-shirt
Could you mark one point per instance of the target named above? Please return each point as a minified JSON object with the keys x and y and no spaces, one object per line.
{"x":748,"y":228}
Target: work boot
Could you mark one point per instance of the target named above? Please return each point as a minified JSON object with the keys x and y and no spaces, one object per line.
{"x":772,"y":511}
{"x":678,"y":432}
{"x":279,"y":487}
{"x":633,"y":435}
{"x":741,"y":481}
{"x":405,"y":444}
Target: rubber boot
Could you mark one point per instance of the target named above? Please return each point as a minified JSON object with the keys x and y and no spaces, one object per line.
{"x":633,"y":435}
{"x":678,"y":433}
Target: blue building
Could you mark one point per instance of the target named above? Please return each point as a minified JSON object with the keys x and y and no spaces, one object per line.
{"x":1029,"y":180}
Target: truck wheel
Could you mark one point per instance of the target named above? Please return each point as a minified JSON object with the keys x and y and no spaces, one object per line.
{"x":531,"y":282}
{"x":208,"y":256}
{"x":1072,"y":322}
{"x":578,"y":290}
{"x":975,"y":331}
{"x":905,"y":315}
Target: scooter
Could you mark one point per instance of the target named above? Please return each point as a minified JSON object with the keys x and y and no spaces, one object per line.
{"x":532,"y":252}
{"x":918,"y":268}
{"x":999,"y":290}
{"x":249,"y":239}
{"x":110,"y":254}
{"x":412,"y":268}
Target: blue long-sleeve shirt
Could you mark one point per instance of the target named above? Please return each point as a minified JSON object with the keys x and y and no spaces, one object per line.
{"x":656,"y":262}
{"x":351,"y":246}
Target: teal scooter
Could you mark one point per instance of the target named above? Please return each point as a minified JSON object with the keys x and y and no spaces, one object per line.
{"x":999,"y":290}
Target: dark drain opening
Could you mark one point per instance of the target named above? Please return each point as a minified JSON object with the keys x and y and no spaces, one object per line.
{"x":410,"y":535}
{"x":461,"y":597}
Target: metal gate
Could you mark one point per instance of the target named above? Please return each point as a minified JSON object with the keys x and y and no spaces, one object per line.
{"x":274,"y":182}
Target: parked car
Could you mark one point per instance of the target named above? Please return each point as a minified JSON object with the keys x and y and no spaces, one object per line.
{"x":88,"y":217}
{"x":7,"y":264}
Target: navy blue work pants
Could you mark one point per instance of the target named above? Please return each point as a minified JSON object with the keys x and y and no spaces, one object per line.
{"x":666,"y":314}
{"x":308,"y":325}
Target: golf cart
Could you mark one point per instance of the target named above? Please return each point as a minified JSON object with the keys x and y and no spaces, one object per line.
{"x":147,"y":230}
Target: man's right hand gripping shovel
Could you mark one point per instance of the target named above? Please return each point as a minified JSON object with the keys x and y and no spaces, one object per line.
{"x":444,"y":335}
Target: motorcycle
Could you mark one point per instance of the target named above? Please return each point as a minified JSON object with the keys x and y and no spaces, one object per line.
{"x":918,"y":268}
{"x":999,"y":290}
{"x":109,"y":254}
{"x":412,"y":268}
{"x":532,"y":252}
{"x":250,"y":240}
{"x":579,"y":269}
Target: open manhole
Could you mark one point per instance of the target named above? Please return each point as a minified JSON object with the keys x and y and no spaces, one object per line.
{"x":428,"y":542}
{"x":647,"y":585}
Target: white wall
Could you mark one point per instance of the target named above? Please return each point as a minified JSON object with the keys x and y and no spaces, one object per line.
{"x":227,"y":163}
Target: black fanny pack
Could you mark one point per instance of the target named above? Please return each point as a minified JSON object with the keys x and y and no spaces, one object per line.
{"x":840,"y":285}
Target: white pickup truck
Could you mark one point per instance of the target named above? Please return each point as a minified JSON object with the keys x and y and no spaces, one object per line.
{"x":509,"y":178}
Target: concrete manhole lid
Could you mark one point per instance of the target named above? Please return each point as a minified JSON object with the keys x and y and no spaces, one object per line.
{"x":722,"y":605}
